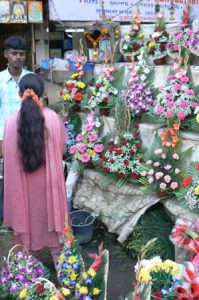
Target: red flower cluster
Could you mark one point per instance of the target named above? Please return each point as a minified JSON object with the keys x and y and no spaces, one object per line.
{"x":40,"y":289}
{"x":186,"y":181}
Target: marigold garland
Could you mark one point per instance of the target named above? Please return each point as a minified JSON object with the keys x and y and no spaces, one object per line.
{"x":95,"y":42}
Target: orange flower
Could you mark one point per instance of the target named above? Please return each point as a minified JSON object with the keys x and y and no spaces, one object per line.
{"x":78,"y":97}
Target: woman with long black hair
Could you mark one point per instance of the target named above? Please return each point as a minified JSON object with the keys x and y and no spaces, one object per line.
{"x":34,"y":191}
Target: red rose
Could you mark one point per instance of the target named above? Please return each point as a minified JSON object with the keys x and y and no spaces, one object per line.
{"x":152,"y":50}
{"x":105,"y":100}
{"x":131,"y":151}
{"x":121,"y":174}
{"x":165,"y":33}
{"x":107,"y":169}
{"x":111,"y":161}
{"x":104,"y":158}
{"x":124,"y":142}
{"x":135,"y":125}
{"x":78,"y":97}
{"x":197,"y":167}
{"x":126,"y":162}
{"x":158,"y":28}
{"x":98,"y":86}
{"x":186,"y":181}
{"x":138,"y":145}
{"x":134,"y":175}
{"x":156,"y":38}
{"x":162,"y":46}
{"x":40,"y":289}
{"x":157,"y":296}
{"x":110,"y":143}
{"x":136,"y":135}
{"x":135,"y":47}
{"x":100,"y":166}
{"x":141,"y":160}
{"x":118,"y":151}
{"x":70,"y":87}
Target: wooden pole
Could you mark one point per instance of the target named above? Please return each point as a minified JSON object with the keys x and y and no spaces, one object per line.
{"x":33,"y":46}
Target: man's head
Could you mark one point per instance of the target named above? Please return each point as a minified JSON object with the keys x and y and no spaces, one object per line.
{"x":15,"y":51}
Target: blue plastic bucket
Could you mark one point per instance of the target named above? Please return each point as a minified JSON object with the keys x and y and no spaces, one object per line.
{"x":82,"y":225}
{"x":89,"y":66}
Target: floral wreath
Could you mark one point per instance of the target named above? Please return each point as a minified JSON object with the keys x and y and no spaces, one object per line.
{"x":95,"y":42}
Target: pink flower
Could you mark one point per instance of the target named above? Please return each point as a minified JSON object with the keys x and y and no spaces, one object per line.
{"x":163,"y":156}
{"x":158,"y":151}
{"x":88,"y":127}
{"x":179,"y":36}
{"x":184,"y":103}
{"x":150,"y":180}
{"x":79,"y":137}
{"x":177,"y":87}
{"x":167,"y":167}
{"x":197,"y":224}
{"x":175,"y":156}
{"x":156,"y":164}
{"x":93,"y":137}
{"x":163,"y":186}
{"x":190,"y":92}
{"x":190,"y":32}
{"x":151,"y":172}
{"x":175,"y":48}
{"x":158,"y":175}
{"x":73,"y":149}
{"x":85,"y":157}
{"x":143,"y":173}
{"x":185,"y":79}
{"x":181,"y":115}
{"x":169,"y":113}
{"x":167,"y":178}
{"x":82,"y":147}
{"x":159,"y":110}
{"x":194,"y":105}
{"x":98,"y":148}
{"x":169,"y":96}
{"x":177,"y":171}
{"x":171,"y":77}
{"x":149,"y":162}
{"x":171,"y":104}
{"x":169,"y":44}
{"x":174,"y":185}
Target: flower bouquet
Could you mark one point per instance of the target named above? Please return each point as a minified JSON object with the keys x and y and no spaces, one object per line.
{"x":156,"y":44}
{"x":19,"y":272}
{"x":133,"y":41}
{"x":189,"y":191}
{"x":194,"y":43}
{"x":176,"y":99}
{"x":102,"y":93}
{"x":88,"y":148}
{"x":123,"y":159}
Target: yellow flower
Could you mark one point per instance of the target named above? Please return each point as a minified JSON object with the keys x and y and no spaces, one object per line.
{"x":94,"y":93}
{"x":54,"y":298}
{"x":84,"y":275}
{"x":69,"y":270}
{"x":74,"y":75}
{"x":65,"y":292}
{"x":23,"y":294}
{"x":197,"y":118}
{"x":77,"y":286}
{"x":73,"y":276}
{"x":105,"y":87}
{"x":80,"y":85}
{"x":72,"y":259}
{"x":95,"y":53}
{"x":91,"y":152}
{"x":96,"y":291}
{"x":127,"y":33}
{"x":66,"y":97}
{"x":144,"y":275}
{"x":141,"y":35}
{"x":152,"y":44}
{"x":91,"y":272}
{"x":66,"y":283}
{"x":197,"y":190}
{"x":61,"y":259}
{"x":83,"y":290}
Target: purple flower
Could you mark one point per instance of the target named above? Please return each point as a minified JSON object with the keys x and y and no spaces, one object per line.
{"x":13,"y":288}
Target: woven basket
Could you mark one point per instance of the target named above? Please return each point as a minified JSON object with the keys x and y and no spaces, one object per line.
{"x":10,"y":253}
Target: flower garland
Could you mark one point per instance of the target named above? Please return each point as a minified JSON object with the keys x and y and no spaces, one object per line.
{"x":95,"y":42}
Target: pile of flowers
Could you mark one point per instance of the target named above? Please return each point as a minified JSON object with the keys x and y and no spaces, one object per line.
{"x":139,"y":96}
{"x":177,"y":99}
{"x":124,"y":157}
{"x":194,"y":43}
{"x":88,"y":147}
{"x":133,"y":41}
{"x":189,"y":192}
{"x":19,"y":274}
{"x":162,"y":275}
{"x":102,"y":92}
{"x":162,"y":170}
{"x":156,"y":44}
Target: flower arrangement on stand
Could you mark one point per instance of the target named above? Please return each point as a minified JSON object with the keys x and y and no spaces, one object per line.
{"x":18,"y":273}
{"x":123,"y":159}
{"x":163,"y":167}
{"x":156,"y":44}
{"x":194,"y":43}
{"x":89,"y":147}
{"x":189,"y":191}
{"x":102,"y":93}
{"x":74,"y":89}
{"x":177,"y":99}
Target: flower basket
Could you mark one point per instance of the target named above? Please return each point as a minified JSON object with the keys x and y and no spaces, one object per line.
{"x":104,"y":111}
{"x":162,"y":194}
{"x":11,"y":253}
{"x":90,"y":165}
{"x":160,"y":61}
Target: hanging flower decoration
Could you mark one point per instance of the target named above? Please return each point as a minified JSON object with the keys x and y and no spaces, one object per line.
{"x":102,"y":92}
{"x":176,"y":99}
{"x":133,"y":41}
{"x":156,"y":44}
{"x":104,"y":33}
